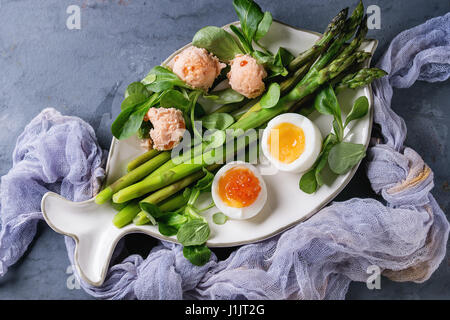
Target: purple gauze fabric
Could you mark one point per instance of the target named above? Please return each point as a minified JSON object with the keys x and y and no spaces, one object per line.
{"x":316,"y":259}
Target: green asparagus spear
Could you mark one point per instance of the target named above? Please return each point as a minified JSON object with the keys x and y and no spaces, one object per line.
{"x":228,"y":108}
{"x":173,"y":203}
{"x":164,"y":179}
{"x":157,"y":182}
{"x":133,"y":164}
{"x":141,"y":219}
{"x":311,"y":54}
{"x":173,"y":188}
{"x":355,"y":80}
{"x":127,"y":214}
{"x":118,"y":206}
{"x":351,"y":26}
{"x":359,"y":79}
{"x":194,"y":151}
{"x":132,"y":177}
{"x":164,"y":193}
{"x":289,"y":83}
{"x":353,"y":21}
{"x":359,"y":37}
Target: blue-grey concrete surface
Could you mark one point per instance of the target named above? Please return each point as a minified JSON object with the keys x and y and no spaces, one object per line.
{"x":85,"y":72}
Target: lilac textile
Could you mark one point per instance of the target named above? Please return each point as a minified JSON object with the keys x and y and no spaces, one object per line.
{"x":54,"y":153}
{"x":405,"y":237}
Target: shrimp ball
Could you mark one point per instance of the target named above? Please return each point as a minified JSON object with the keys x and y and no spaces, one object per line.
{"x":168,"y":127}
{"x":246,"y":76}
{"x":196,"y":67}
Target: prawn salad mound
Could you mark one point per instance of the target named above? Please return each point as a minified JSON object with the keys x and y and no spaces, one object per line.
{"x":249,"y":87}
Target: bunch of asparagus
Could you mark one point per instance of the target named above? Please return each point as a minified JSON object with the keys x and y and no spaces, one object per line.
{"x":154,"y":178}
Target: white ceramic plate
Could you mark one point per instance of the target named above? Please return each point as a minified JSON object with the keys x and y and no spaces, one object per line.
{"x":96,"y":237}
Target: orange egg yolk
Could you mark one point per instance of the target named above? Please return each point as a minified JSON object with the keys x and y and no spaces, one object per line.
{"x":286,"y":142}
{"x":239,"y":187}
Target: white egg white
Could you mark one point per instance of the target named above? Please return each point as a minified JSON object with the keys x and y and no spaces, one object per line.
{"x":239,"y":213}
{"x":313,"y":142}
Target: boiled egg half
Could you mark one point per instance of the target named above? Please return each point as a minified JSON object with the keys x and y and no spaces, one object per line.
{"x":238,"y":190}
{"x":291,"y":142}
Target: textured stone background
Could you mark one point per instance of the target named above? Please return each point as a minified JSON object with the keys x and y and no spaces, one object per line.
{"x":85,"y":72}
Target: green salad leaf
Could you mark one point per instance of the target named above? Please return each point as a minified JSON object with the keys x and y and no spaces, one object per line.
{"x":137,"y":88}
{"x":136,"y":93}
{"x":359,"y":110}
{"x":194,"y":232}
{"x":214,"y":139}
{"x":283,"y":57}
{"x":250,"y":16}
{"x":326,"y":102}
{"x":280,"y":62}
{"x":322,"y":161}
{"x":312,"y":179}
{"x":263,"y":58}
{"x":344,"y":155}
{"x":339,"y":155}
{"x":247,"y":46}
{"x":276,"y":64}
{"x":175,"y":99}
{"x":160,"y":79}
{"x":133,"y":100}
{"x":197,"y":255}
{"x":271,"y":97}
{"x":169,"y":223}
{"x":217,"y":41}
{"x":308,"y":182}
{"x":151,"y":209}
{"x":173,"y":219}
{"x":219,"y":218}
{"x":144,"y":130}
{"x":219,"y":121}
{"x":263,"y":26}
{"x":204,"y":184}
{"x":130,"y":119}
{"x":166,"y":230}
{"x":225,"y":96}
